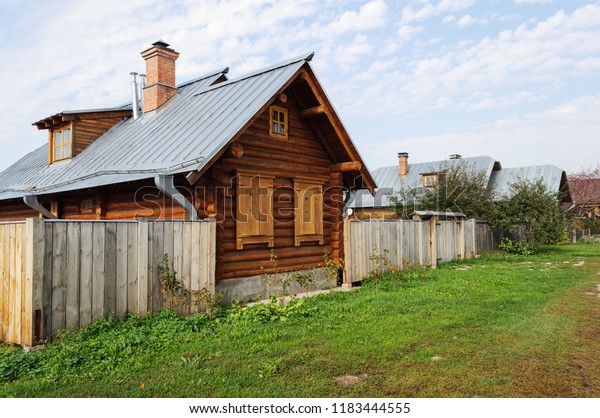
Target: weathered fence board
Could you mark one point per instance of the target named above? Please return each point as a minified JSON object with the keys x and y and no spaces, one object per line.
{"x":415,"y":242}
{"x":64,"y":274}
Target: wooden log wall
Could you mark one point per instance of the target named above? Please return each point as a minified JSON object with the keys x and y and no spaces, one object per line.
{"x":412,"y":241}
{"x":301,"y":154}
{"x":87,"y":131}
{"x":65,"y":274}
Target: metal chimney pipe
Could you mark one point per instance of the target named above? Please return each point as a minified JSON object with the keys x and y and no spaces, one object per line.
{"x":134,"y":99}
{"x":142,"y":87}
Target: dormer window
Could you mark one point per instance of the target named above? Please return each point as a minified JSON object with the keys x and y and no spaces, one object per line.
{"x":61,"y":146}
{"x":430,"y":180}
{"x":278,"y":121}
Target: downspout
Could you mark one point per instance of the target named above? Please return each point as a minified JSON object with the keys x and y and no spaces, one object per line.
{"x":165,"y":184}
{"x":347,"y":200}
{"x":32,"y":201}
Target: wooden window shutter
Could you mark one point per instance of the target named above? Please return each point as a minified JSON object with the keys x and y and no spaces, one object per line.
{"x":254,"y":223}
{"x":308,"y":223}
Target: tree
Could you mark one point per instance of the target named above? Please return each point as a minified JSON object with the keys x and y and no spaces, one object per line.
{"x":460,"y":187}
{"x":531,"y":205}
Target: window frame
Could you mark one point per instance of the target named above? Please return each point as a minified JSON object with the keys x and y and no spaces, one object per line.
{"x":91,"y":209}
{"x":284,"y":123}
{"x":313,"y":230}
{"x":425,"y":179}
{"x":54,"y":147}
{"x":252,"y":230}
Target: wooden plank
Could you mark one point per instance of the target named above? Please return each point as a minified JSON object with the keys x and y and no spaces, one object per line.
{"x":143,"y":256}
{"x":132,"y":267}
{"x":47,"y":281}
{"x":110,"y":268}
{"x":212,"y":255}
{"x":186,"y":268}
{"x":86,"y":268}
{"x":157,"y":262}
{"x":98,"y":275}
{"x":177,"y":257}
{"x":24,"y":322}
{"x":12,"y":285}
{"x":195,"y":259}
{"x":73,"y":271}
{"x":121,"y":273}
{"x":34,"y":264}
{"x":3,"y":282}
{"x":59,"y":282}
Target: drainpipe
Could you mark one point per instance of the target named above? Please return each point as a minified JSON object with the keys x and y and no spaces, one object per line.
{"x":165,"y":184}
{"x":347,"y":199}
{"x":32,"y":201}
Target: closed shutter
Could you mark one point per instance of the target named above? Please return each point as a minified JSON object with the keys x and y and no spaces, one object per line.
{"x":308,"y":224}
{"x":254,"y":222}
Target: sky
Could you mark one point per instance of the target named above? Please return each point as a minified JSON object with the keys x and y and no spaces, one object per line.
{"x":518,"y":80}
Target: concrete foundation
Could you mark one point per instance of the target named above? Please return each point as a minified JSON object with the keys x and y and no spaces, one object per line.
{"x":260,"y":287}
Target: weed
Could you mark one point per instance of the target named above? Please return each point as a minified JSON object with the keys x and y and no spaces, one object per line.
{"x":169,"y":282}
{"x":206,"y":300}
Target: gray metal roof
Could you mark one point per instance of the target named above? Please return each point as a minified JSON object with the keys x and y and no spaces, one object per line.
{"x":549,"y":174}
{"x":182,"y":135}
{"x":390,"y":182}
{"x":499,"y":178}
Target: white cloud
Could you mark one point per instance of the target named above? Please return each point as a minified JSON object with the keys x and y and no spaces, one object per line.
{"x":468,"y":20}
{"x":556,"y":136}
{"x":370,"y":16}
{"x":533,"y":1}
{"x":429,"y":10}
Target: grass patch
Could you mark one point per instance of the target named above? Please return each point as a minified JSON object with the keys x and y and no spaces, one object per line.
{"x":498,"y":326}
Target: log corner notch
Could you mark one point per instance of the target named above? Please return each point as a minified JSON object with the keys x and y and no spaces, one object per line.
{"x":346,"y":166}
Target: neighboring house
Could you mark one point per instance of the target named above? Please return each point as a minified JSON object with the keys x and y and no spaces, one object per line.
{"x":421,"y":176}
{"x":264,"y":154}
{"x":586,"y":195}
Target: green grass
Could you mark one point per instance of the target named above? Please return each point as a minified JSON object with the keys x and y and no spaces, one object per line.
{"x":498,"y":326}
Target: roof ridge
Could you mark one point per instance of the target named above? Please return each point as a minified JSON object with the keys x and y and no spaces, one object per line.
{"x":305,"y":57}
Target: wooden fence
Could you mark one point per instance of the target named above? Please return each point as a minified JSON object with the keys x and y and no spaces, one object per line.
{"x":64,"y":274}
{"x":418,"y":242}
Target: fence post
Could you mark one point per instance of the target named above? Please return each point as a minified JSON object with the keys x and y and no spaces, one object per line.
{"x":433,"y":241}
{"x":347,"y":283}
{"x":142,"y":267}
{"x":33,"y":331}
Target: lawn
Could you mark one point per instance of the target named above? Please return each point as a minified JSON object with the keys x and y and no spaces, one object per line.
{"x":498,"y":326}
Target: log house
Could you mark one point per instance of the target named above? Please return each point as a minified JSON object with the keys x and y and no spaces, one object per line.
{"x":265,"y":155}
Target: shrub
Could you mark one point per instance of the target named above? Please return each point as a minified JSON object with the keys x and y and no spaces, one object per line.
{"x":509,"y":246}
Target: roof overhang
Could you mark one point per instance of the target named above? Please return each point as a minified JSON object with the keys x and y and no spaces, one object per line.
{"x":77,"y":115}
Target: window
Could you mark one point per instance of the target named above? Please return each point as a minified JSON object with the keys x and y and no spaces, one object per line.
{"x":308,"y":223}
{"x":430,"y":180}
{"x":86,"y":206}
{"x":61,"y":144}
{"x":279,"y":121}
{"x":254,"y":223}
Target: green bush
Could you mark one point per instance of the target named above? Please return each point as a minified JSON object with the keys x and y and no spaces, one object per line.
{"x":509,"y":246}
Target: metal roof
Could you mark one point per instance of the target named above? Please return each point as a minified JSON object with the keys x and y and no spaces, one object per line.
{"x":550,"y":175}
{"x":390,"y":182}
{"x":499,"y":179}
{"x":182,"y":135}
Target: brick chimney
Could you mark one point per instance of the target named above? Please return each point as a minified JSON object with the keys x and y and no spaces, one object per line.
{"x":402,"y":164}
{"x":160,"y":75}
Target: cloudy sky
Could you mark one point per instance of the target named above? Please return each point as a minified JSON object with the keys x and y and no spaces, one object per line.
{"x":518,"y":80}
